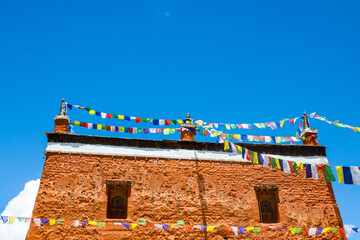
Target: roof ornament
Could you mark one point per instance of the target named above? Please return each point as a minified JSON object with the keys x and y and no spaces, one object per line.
{"x":63,"y":108}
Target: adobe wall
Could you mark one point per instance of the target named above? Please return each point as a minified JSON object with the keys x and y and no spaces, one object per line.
{"x":166,"y":190}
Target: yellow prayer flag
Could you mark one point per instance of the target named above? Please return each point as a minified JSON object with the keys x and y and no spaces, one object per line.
{"x":210,"y":228}
{"x":258,"y":125}
{"x":292,"y":230}
{"x":278,"y":139}
{"x":282,"y":123}
{"x":340,"y":174}
{"x":77,"y":123}
{"x":133,"y":225}
{"x":121,"y":116}
{"x":180,"y":121}
{"x":12,"y":220}
{"x":249,"y":228}
{"x":227,"y":126}
{"x":237,"y":136}
{"x":255,"y":159}
{"x":300,"y":165}
{"x":92,"y":223}
{"x":99,"y":127}
{"x":52,"y":222}
{"x":121,"y":129}
{"x":226,"y":145}
{"x":277,"y":163}
{"x":150,"y":119}
{"x":91,"y":112}
{"x":166,"y":131}
{"x":172,"y":225}
{"x":325,"y":230}
{"x":215,"y":134}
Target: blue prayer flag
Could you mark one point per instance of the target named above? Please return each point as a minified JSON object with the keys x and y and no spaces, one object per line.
{"x":308,"y":170}
{"x":156,"y":121}
{"x":127,"y":225}
{"x":97,"y":113}
{"x":127,"y":118}
{"x":69,"y":106}
{"x":347,"y":175}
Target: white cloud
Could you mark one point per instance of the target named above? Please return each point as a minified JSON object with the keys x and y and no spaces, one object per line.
{"x":20,"y":206}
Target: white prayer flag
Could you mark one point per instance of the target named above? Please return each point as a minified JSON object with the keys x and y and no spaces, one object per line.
{"x":312,"y":231}
{"x":235,"y":230}
{"x":355,"y":172}
{"x":314,"y":171}
{"x":103,"y":115}
{"x":37,"y":221}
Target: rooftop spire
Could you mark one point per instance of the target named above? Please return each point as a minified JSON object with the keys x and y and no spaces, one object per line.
{"x":309,"y":135}
{"x":306,"y":121}
{"x":62,"y":120}
{"x":188,"y":129}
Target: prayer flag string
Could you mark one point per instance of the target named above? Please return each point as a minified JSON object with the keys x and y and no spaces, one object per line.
{"x":40,"y":222}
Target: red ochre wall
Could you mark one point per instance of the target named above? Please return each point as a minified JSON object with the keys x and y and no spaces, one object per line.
{"x":213,"y":193}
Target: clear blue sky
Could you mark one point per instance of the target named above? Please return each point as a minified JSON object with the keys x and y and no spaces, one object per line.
{"x":232,"y":61}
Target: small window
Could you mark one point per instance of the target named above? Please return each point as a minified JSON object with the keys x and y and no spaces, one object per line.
{"x":267,"y":197}
{"x":118,"y":193}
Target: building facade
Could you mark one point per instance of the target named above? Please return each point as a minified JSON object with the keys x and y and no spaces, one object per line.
{"x":114,"y":180}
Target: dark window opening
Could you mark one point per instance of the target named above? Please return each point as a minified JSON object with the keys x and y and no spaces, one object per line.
{"x":117,"y":193}
{"x":267,"y":197}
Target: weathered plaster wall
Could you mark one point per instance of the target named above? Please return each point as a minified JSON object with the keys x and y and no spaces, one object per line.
{"x":164,"y":191}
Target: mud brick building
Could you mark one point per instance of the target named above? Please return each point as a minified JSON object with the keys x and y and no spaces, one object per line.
{"x":120,"y":180}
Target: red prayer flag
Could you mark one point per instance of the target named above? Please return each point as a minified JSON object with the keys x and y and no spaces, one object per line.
{"x":227,"y":229}
{"x":291,"y":121}
{"x":239,"y":126}
{"x":292,"y":170}
{"x":81,"y":124}
{"x":150,"y":224}
{"x":109,"y":115}
{"x":130,"y":130}
{"x":138,"y":120}
{"x":342,"y":232}
{"x":248,"y":155}
{"x":108,"y":128}
{"x":86,"y":124}
{"x":67,"y":222}
{"x":189,"y":227}
{"x":109,"y":223}
{"x":27,"y":219}
{"x":268,"y":124}
{"x":263,"y":229}
{"x":159,"y":130}
{"x":307,"y":230}
{"x":167,"y":122}
{"x":288,"y":139}
{"x":262,"y":138}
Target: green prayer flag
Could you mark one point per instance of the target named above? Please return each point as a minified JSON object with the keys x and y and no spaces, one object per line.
{"x":180,"y":223}
{"x":334,"y":229}
{"x":294,"y":166}
{"x":273,"y":163}
{"x":298,"y":230}
{"x":21,"y":219}
{"x":141,"y":221}
{"x":60,"y":220}
{"x":87,"y":108}
{"x":144,"y":120}
{"x":257,"y":229}
{"x":101,"y":224}
{"x":115,"y":116}
{"x":139,"y":130}
{"x":103,"y":127}
{"x":173,"y":122}
{"x":337,"y":125}
{"x":329,"y":175}
{"x":283,"y":139}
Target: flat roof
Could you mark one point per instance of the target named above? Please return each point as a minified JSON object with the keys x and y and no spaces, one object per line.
{"x":275,"y":149}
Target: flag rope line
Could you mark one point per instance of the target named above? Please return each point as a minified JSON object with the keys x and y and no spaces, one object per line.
{"x":143,"y":222}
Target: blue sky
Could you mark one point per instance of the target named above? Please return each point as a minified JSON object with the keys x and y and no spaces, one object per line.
{"x":234,"y":61}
